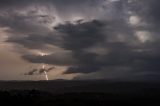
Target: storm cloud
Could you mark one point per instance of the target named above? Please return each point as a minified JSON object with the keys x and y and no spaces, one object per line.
{"x":92,"y":37}
{"x":39,"y":71}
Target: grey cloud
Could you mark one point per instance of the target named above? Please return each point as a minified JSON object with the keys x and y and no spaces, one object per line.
{"x":25,"y":23}
{"x":77,"y":37}
{"x":61,"y":59}
{"x":106,"y":27}
{"x":39,"y":71}
{"x":81,"y":35}
{"x":31,"y":72}
{"x":121,"y":53}
{"x":35,"y":41}
{"x":24,"y":15}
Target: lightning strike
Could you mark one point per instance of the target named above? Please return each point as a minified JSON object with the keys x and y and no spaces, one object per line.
{"x":43,"y":66}
{"x":46,"y":75}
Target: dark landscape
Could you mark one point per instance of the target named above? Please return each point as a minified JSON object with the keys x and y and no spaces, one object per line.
{"x":78,"y":93}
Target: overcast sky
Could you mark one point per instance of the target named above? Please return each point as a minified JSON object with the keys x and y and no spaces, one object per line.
{"x":82,"y":39}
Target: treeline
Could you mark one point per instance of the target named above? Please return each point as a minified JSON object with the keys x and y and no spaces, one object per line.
{"x":40,"y":98}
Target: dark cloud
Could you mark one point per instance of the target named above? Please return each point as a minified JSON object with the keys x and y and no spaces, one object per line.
{"x":74,"y":37}
{"x":35,"y":41}
{"x":27,"y":22}
{"x":62,"y":59}
{"x":39,"y":71}
{"x":86,"y":63}
{"x":32,"y":72}
{"x":32,"y":16}
{"x":77,"y":37}
{"x":139,"y":57}
{"x":14,"y":3}
{"x":94,"y":36}
{"x":81,"y":35}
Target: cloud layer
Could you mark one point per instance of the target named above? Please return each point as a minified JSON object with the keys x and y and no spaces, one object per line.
{"x":115,"y":37}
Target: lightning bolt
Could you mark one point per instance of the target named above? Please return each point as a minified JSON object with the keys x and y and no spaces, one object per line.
{"x":43,"y":67}
{"x":46,"y":75}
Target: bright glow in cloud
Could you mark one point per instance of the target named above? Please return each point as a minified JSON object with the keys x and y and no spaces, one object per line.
{"x":143,"y":36}
{"x":134,"y":20}
{"x":42,"y":53}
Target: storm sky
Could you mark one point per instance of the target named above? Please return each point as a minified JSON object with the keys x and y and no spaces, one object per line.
{"x":83,"y":39}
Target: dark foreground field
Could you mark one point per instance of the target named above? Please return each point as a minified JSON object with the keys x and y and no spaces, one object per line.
{"x":79,"y":93}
